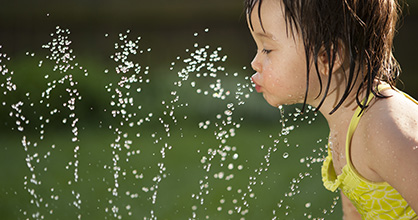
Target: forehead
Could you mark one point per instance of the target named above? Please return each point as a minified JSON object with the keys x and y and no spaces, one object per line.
{"x":261,"y":13}
{"x":267,"y":18}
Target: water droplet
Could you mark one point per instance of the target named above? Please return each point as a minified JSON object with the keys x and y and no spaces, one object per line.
{"x":285,"y":155}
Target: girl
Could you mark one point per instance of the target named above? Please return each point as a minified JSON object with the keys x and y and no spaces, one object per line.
{"x":336,"y":55}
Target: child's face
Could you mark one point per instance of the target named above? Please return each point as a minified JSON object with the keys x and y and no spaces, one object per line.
{"x":280,"y":61}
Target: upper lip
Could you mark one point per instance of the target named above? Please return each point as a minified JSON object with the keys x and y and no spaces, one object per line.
{"x":253,"y":80}
{"x":257,"y":86}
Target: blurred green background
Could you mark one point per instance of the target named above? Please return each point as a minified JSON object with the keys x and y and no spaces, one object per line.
{"x":157,"y":168}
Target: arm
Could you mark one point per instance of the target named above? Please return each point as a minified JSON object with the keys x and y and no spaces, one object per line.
{"x":349,"y":211}
{"x":400,"y":168}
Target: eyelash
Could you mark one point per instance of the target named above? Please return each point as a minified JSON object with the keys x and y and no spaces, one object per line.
{"x":265,"y":51}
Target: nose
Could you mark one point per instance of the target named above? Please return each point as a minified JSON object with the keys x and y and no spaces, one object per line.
{"x":256,"y":65}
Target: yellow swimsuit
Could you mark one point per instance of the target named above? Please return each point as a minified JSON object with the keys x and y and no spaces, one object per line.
{"x":372,"y":200}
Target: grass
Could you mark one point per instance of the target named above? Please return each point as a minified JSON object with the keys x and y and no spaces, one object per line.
{"x":269,"y":182}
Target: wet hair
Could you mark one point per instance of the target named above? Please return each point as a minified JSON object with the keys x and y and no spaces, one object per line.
{"x":365,"y":28}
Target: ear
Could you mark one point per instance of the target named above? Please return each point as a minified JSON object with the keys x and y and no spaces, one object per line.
{"x":334,"y":54}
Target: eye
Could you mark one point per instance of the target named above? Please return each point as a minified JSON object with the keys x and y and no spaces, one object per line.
{"x":265,"y":51}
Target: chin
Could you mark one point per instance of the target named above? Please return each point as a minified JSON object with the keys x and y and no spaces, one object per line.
{"x":275,"y":103}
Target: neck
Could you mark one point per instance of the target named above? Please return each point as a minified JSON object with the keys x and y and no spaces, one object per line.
{"x":339,"y":120}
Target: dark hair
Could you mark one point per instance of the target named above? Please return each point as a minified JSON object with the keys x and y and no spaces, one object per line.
{"x":365,"y":27}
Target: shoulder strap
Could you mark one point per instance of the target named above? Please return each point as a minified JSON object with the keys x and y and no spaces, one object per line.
{"x":354,"y":122}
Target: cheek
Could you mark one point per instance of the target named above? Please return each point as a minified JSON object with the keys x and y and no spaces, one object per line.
{"x":274,"y":82}
{"x":286,"y":73}
{"x":272,"y":78}
{"x":272,"y":71}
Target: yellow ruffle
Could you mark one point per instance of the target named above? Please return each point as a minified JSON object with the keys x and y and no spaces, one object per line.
{"x":329,"y":178}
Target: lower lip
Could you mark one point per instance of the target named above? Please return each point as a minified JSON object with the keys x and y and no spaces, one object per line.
{"x":258,"y":88}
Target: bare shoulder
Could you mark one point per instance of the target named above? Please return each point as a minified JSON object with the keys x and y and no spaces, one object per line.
{"x":391,"y":125}
{"x":392,"y":121}
{"x":388,"y":128}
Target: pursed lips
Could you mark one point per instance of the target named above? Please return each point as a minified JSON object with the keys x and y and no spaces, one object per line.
{"x":257,"y":86}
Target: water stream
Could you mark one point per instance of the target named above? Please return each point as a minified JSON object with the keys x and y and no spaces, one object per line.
{"x":181,"y":144}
